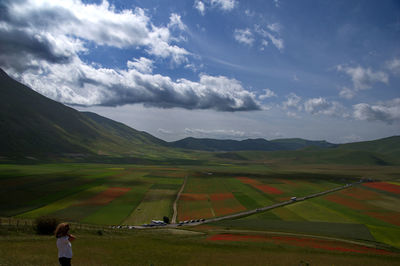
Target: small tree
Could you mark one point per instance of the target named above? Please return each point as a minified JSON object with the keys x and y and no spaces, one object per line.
{"x":45,"y":225}
{"x":166,"y":219}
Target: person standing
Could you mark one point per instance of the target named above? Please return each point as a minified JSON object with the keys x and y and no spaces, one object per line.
{"x":64,"y":244}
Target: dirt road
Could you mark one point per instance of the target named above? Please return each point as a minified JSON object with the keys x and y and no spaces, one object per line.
{"x":175,"y":207}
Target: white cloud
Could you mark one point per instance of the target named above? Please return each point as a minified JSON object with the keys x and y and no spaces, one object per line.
{"x":278,"y":42}
{"x":82,"y":84}
{"x":394,"y":66}
{"x":58,"y":30}
{"x":41,"y":42}
{"x":226,"y":133}
{"x":264,"y":43}
{"x":275,"y":27}
{"x":143,"y":65}
{"x":164,"y":131}
{"x":275,"y":39}
{"x":322,"y":106}
{"x":388,"y":112}
{"x":224,"y":5}
{"x":347,"y":93}
{"x":277,"y":3}
{"x":267,"y":94}
{"x":292,"y":101}
{"x":176,"y":22}
{"x":244,"y":36}
{"x":364,"y":78}
{"x":199,"y":5}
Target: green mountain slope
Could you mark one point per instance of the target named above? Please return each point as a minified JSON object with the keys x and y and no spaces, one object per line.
{"x":33,"y":124}
{"x":389,"y":146}
{"x":248,"y":144}
{"x":377,"y":152}
{"x":297,"y":144}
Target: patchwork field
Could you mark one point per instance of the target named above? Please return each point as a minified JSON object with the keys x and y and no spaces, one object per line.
{"x":367,"y":212}
{"x":366,"y":215}
{"x":98,"y":194}
{"x":211,"y":194}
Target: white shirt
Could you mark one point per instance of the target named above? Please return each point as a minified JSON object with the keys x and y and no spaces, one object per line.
{"x":64,"y":247}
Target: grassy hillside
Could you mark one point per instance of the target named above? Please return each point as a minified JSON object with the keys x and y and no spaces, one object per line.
{"x":388,"y":146}
{"x":321,"y":156}
{"x":32,"y":124}
{"x":296,"y":143}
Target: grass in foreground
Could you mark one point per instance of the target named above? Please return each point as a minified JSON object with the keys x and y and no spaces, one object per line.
{"x":170,"y":247}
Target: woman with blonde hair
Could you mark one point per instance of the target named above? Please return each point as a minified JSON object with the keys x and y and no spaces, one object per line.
{"x":64,"y":244}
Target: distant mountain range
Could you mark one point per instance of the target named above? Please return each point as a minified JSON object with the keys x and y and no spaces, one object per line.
{"x":32,"y":124}
{"x":248,"y":144}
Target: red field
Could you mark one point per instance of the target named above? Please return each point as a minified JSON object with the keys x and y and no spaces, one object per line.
{"x":384,"y":186}
{"x":106,"y":196}
{"x":389,"y":217}
{"x":194,"y":206}
{"x":225,"y":203}
{"x":361,"y":193}
{"x":330,"y":245}
{"x":221,"y":196}
{"x":348,"y":202}
{"x":193,"y":197}
{"x":260,"y":186}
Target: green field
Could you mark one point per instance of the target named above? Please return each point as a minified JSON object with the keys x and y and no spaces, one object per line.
{"x":169,"y":247}
{"x":115,"y":194}
{"x":356,"y":213}
{"x":78,"y":192}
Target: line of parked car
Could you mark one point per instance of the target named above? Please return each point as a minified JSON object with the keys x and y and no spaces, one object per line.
{"x":122,"y":227}
{"x":156,"y":223}
{"x":190,"y":221}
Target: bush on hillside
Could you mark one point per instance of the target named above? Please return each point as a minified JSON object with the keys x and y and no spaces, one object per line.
{"x":46,"y":225}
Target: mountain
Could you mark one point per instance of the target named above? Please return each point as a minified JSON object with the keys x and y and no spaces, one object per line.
{"x":297,"y":144}
{"x":248,"y":144}
{"x":389,"y":146}
{"x":382,"y":152}
{"x":224,"y":145}
{"x":33,"y":124}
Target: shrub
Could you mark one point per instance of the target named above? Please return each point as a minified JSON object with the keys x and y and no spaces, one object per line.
{"x":45,"y":225}
{"x":166,"y":219}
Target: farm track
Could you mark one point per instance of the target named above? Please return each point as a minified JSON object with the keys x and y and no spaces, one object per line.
{"x":175,"y":207}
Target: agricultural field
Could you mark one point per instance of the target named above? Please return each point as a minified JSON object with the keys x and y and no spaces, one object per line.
{"x":368,"y":212}
{"x":96,"y":194}
{"x":208,"y":194}
{"x":360,"y":222}
{"x":185,"y":247}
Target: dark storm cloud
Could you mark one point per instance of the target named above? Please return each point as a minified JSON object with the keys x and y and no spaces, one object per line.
{"x":41,"y":42}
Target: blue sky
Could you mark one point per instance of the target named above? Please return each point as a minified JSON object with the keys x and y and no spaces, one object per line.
{"x":215,"y":68}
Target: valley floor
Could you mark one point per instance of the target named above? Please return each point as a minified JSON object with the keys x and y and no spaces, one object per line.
{"x":353,"y":226}
{"x":176,"y":247}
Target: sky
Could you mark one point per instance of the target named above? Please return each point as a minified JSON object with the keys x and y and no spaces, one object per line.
{"x":226,"y":69}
